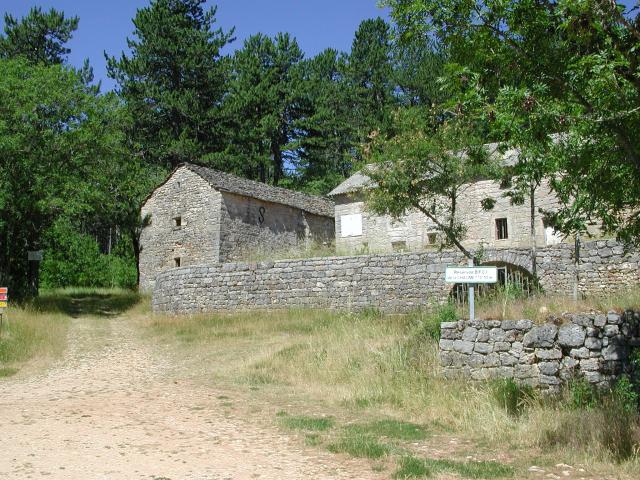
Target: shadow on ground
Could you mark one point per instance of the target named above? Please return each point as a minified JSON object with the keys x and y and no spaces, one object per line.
{"x":95,"y":303}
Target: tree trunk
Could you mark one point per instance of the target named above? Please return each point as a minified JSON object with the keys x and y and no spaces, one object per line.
{"x":532,"y":198}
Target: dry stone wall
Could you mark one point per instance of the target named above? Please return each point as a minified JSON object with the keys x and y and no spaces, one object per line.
{"x":391,"y":282}
{"x":592,"y":346}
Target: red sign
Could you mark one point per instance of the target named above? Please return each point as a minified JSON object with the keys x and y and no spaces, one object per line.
{"x":3,"y":297}
{"x":4,"y":290}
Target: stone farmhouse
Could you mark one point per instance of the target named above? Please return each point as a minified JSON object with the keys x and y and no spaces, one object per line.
{"x":203,"y":216}
{"x":504,"y":226}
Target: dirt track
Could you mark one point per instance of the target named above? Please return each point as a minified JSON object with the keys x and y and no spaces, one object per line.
{"x":107,"y":410}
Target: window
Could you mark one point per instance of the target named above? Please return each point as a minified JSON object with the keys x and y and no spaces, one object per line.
{"x":177,"y":221}
{"x":351,"y":225}
{"x":432,"y":238}
{"x":502,"y":232}
{"x":177,"y":261}
{"x":399,"y":246}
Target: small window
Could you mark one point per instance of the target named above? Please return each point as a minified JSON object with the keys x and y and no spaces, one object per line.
{"x":177,"y":261}
{"x":351,"y":225}
{"x":502,"y":232}
{"x":432,"y":238}
{"x":177,"y":221}
{"x":399,"y":246}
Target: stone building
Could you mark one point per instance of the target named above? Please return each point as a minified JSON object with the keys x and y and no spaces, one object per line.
{"x":203,"y":216}
{"x":504,"y":226}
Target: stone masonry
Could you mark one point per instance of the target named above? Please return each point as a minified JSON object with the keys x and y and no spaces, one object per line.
{"x":392,"y":282}
{"x":592,"y":346}
{"x":202,"y":216}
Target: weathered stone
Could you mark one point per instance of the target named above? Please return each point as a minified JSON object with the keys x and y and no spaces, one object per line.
{"x":448,"y":325}
{"x":600,"y":321}
{"x":502,"y":346}
{"x":615,"y":352}
{"x":483,"y":335}
{"x":446,"y":344}
{"x":548,"y":368}
{"x":589,"y":364}
{"x":614,"y":318}
{"x":543,"y":336}
{"x":507,"y":360}
{"x":571,"y":335}
{"x":548,"y":353}
{"x":611,"y":330}
{"x":497,"y":335}
{"x":483,"y":348}
{"x":593,"y":343}
{"x":524,"y":324}
{"x":469,"y":334}
{"x":582,"y":352}
{"x":462,"y":346}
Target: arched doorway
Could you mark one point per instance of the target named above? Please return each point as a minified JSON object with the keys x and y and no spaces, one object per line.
{"x":519,"y":279}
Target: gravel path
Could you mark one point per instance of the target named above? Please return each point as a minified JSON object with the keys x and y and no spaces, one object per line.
{"x":107,"y":410}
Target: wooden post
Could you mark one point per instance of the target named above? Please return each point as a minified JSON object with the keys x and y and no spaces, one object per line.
{"x":472,"y":306}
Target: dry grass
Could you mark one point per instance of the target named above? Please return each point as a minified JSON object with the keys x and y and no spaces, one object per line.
{"x":369,"y":367}
{"x":36,"y":333}
{"x":29,"y":334}
{"x":506,"y":304}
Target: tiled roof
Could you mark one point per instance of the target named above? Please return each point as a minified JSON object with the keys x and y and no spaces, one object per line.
{"x":226,"y":182}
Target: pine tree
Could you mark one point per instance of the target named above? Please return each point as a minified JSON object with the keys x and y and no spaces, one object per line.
{"x":265,"y":104}
{"x":174,"y":81}
{"x":39,"y":37}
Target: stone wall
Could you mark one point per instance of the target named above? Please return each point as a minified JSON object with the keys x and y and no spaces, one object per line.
{"x":391,"y":282}
{"x":196,"y":241}
{"x":252,"y":226}
{"x":595,"y":347}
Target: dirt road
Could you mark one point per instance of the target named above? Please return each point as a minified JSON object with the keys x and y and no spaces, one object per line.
{"x":108,"y":410}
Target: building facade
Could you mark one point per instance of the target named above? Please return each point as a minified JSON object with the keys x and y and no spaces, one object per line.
{"x":203,"y":216}
{"x":504,"y":226}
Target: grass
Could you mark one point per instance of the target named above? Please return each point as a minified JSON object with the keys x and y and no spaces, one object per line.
{"x":361,"y":446}
{"x":412,"y":467}
{"x":306,"y":422}
{"x":504,"y":305}
{"x":378,"y":378}
{"x":37,"y":331}
{"x":389,"y":428}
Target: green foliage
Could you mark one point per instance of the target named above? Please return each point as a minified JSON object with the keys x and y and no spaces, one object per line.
{"x":412,"y":467}
{"x":424,"y":166}
{"x":626,"y":394}
{"x":264,"y":104}
{"x":512,"y":396}
{"x":40,"y":37}
{"x":559,"y":82}
{"x":583,"y":395}
{"x":173,"y":82}
{"x":61,"y":143}
{"x":427,"y":323}
{"x":74,"y":259}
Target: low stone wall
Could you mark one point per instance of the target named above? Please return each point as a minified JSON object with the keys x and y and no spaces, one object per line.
{"x":592,"y":346}
{"x":391,"y":282}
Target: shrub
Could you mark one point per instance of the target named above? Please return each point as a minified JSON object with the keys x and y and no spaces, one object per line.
{"x":511,"y":396}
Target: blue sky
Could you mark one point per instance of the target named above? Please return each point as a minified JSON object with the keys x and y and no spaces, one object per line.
{"x":105,"y":24}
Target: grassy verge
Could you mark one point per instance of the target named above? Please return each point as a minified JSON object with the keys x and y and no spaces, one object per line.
{"x":37,"y":331}
{"x":369,"y":385}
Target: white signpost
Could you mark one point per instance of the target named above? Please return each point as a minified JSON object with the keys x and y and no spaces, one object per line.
{"x":471,"y":276}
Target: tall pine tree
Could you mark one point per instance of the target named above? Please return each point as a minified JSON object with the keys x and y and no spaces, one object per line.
{"x":174,"y":81}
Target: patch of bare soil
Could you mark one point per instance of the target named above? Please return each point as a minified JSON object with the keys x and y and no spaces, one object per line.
{"x":108,"y":410}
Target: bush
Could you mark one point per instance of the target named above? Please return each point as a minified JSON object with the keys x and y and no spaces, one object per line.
{"x":74,"y":259}
{"x":428,"y":323}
